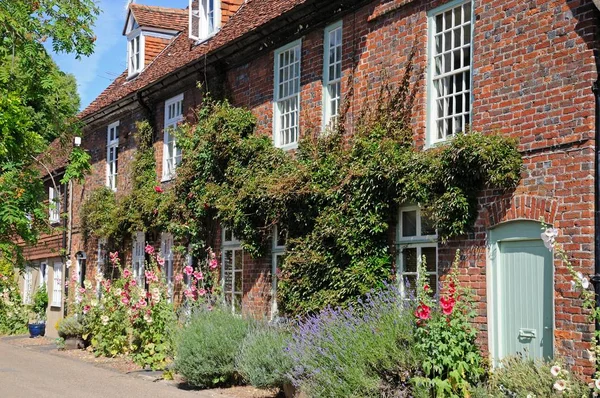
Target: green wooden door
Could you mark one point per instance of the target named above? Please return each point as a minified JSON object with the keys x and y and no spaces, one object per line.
{"x":524,"y":310}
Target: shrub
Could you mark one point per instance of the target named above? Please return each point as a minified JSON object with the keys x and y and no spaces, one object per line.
{"x":13,"y":317}
{"x":362,"y":351}
{"x":522,"y":377}
{"x":262,"y":360}
{"x":70,"y":327}
{"x":207,"y":347}
{"x":39,"y":305}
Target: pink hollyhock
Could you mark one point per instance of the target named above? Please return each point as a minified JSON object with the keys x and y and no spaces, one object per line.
{"x":188,"y":270}
{"x":126,"y":273}
{"x":213,"y":263}
{"x":149,"y":249}
{"x":201,"y":292}
{"x":114,"y":257}
{"x":188,"y":293}
{"x":81,"y":290}
{"x":160,"y":260}
{"x":423,"y":312}
{"x":178,"y":277}
{"x":86,"y":309}
{"x":125,"y":300}
{"x":158,"y":189}
{"x":133,"y":283}
{"x":198,"y":275}
{"x":142,"y":303}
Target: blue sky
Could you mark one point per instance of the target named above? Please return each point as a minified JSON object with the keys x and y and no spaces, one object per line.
{"x":96,"y":72}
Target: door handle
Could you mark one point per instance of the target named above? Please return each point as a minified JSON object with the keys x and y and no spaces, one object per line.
{"x":527,"y":333}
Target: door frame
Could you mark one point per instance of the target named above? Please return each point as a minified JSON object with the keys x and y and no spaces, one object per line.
{"x":517,"y":230}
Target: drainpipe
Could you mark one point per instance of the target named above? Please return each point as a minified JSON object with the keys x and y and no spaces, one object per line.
{"x":596,"y":277}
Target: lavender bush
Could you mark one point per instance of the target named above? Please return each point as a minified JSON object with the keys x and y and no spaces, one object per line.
{"x":361,"y":351}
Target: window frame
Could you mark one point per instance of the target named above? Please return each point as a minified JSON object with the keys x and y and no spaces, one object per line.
{"x":277,"y":101}
{"x":200,"y":16}
{"x":231,"y":245}
{"x":277,"y":251}
{"x":327,"y":82}
{"x":112,"y":174}
{"x":135,"y":36}
{"x":138,"y":257}
{"x":28,"y":285}
{"x":418,"y":242}
{"x":166,"y":251}
{"x":54,"y":204}
{"x":57,"y":284}
{"x":432,"y":117}
{"x":170,"y":126}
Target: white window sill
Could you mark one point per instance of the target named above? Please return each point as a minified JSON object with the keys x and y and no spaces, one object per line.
{"x":288,"y":147}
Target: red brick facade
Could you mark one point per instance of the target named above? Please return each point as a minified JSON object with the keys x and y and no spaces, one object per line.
{"x":533,"y":67}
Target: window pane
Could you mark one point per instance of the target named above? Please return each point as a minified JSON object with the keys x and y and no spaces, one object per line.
{"x":427,"y":226}
{"x":409,"y":260}
{"x":238,"y":281}
{"x":238,"y":260}
{"x":430,"y":254}
{"x":410,"y":284}
{"x":409,"y":223}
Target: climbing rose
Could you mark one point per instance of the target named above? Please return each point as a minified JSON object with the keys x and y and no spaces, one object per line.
{"x":423,"y":312}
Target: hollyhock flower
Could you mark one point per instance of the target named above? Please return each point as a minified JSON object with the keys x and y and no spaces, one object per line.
{"x":94,"y":303}
{"x":142,"y":303}
{"x":178,"y":277}
{"x":160,"y":260}
{"x":447,"y":304}
{"x":213,"y":263}
{"x":148,"y":318}
{"x":104,"y":319}
{"x":189,"y":294}
{"x":86,"y":309}
{"x":114,"y":257}
{"x":125,"y":300}
{"x":133,"y":283}
{"x":426,"y":288}
{"x":451,"y":288}
{"x":198,"y":275}
{"x":158,"y":189}
{"x":423,"y":312}
{"x":549,"y":237}
{"x":555,"y":370}
{"x":188,"y":270}
{"x":201,"y":292}
{"x":126,"y":273}
{"x":81,"y":290}
{"x":118,"y":291}
{"x":560,"y":386}
{"x":149,"y":249}
{"x":597,"y":384}
{"x":151,"y":276}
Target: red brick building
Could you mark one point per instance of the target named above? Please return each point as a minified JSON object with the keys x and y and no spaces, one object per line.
{"x":522,"y":69}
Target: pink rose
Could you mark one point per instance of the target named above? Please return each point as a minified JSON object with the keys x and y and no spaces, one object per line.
{"x":149,"y":249}
{"x":188,"y":270}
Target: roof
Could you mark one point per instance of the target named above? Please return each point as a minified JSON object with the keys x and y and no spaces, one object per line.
{"x":160,"y":17}
{"x":251,"y":15}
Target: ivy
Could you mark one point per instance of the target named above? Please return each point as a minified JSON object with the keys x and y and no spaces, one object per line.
{"x":335,"y":197}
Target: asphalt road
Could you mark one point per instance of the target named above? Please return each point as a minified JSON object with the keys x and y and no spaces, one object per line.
{"x":31,"y":373}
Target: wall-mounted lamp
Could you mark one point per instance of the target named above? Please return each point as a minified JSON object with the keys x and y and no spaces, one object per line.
{"x":77,"y":141}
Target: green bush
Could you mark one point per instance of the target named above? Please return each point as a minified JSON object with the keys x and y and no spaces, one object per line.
{"x":262,"y":360}
{"x":13,"y":316}
{"x":70,"y":327}
{"x":40,"y":304}
{"x":524,"y":377}
{"x":206,"y":349}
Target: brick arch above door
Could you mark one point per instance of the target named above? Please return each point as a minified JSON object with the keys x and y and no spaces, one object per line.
{"x":519,"y":207}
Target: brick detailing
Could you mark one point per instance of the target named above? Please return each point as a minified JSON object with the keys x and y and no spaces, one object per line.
{"x":521,"y":207}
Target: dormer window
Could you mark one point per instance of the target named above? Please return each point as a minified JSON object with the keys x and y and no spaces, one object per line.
{"x":205,"y":18}
{"x":135,"y":54}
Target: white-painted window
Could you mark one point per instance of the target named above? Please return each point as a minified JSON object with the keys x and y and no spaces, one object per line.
{"x":166,"y":251}
{"x":232,"y":271}
{"x":57,"y":285}
{"x":54,"y":202}
{"x":27,"y":285}
{"x":43,"y":273}
{"x":171,"y":152}
{"x":278,"y":255}
{"x":449,"y":82}
{"x":139,"y":257}
{"x":135,"y":53}
{"x":286,"y":123}
{"x":205,"y":20}
{"x":415,"y":237}
{"x":332,"y":75}
{"x":112,"y":155}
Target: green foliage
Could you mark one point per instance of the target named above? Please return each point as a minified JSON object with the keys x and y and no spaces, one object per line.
{"x":13,"y":315}
{"x":70,"y":327}
{"x":451,"y":361}
{"x":262,"y":360}
{"x":362,"y":351}
{"x":39,"y":304}
{"x":38,"y":103}
{"x":523,"y":377}
{"x":98,"y":214}
{"x":78,"y":167}
{"x":207,"y":348}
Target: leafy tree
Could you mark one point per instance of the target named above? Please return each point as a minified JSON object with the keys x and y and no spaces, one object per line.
{"x":38,"y":104}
